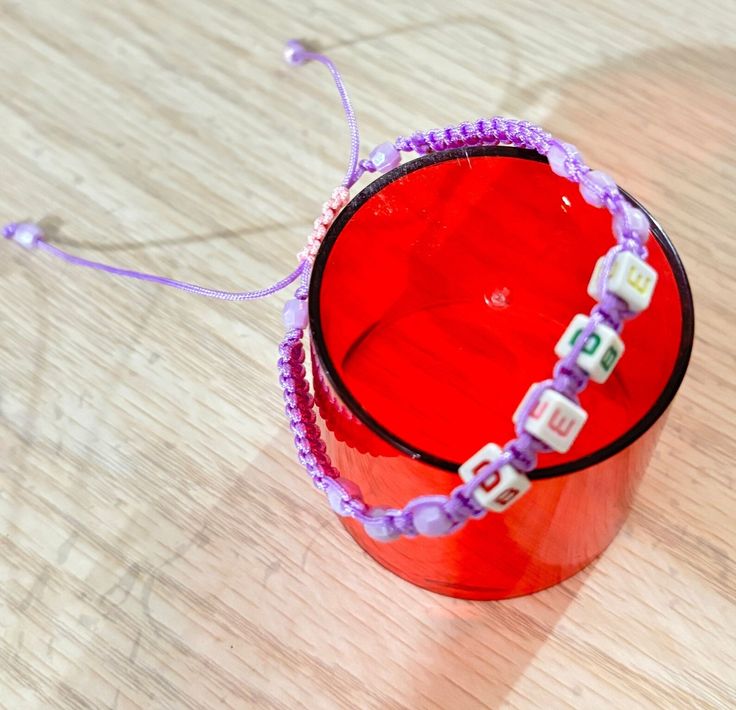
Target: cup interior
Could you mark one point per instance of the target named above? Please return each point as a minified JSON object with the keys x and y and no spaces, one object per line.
{"x":441,"y":290}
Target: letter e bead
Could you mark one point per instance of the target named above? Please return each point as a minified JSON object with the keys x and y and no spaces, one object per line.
{"x":555,"y":420}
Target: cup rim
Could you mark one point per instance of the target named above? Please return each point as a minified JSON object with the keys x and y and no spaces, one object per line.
{"x":343,"y":393}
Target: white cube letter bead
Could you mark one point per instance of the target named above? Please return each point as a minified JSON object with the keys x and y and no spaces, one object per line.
{"x":602,"y":350}
{"x":501,"y":488}
{"x":555,"y":419}
{"x":630,"y":278}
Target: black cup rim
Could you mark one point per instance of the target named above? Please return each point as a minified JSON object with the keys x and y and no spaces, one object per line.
{"x":341,"y":390}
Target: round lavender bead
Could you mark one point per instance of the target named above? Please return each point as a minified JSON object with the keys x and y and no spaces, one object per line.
{"x":295,"y":53}
{"x":558,"y":155}
{"x":385,"y":157}
{"x":594,"y":185}
{"x":380,"y":528}
{"x":339,"y":491}
{"x":630,"y":222}
{"x":296,"y":314}
{"x":27,"y":235}
{"x":429,"y":517}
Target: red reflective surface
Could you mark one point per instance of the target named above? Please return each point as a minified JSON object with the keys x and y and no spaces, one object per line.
{"x":437,"y":300}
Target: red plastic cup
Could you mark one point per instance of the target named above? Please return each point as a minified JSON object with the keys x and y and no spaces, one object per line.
{"x":436,"y":300}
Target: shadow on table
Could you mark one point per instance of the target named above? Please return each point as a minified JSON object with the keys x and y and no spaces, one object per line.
{"x":658,"y":117}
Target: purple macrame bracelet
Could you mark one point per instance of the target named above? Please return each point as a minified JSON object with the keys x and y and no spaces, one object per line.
{"x":494,"y":477}
{"x":440,"y":515}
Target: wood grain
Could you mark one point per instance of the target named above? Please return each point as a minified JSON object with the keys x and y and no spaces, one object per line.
{"x":159,"y":546}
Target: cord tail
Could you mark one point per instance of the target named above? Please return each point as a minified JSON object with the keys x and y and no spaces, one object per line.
{"x":31,"y":235}
{"x":296,"y":54}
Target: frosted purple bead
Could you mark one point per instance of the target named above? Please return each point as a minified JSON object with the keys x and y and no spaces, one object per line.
{"x":27,"y":235}
{"x":593,"y":186}
{"x":338,"y":490}
{"x":429,"y":517}
{"x":385,"y":157}
{"x":630,"y":222}
{"x":558,"y":156}
{"x":296,"y":314}
{"x":381,"y":528}
{"x":295,"y":53}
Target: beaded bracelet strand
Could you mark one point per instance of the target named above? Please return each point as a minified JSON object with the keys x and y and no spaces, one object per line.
{"x":549,"y":417}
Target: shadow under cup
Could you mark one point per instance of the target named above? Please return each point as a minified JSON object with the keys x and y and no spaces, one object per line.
{"x":436,"y":301}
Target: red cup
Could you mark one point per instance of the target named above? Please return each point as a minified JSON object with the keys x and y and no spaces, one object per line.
{"x":436,"y":300}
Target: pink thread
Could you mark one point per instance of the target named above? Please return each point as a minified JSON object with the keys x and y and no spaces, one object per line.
{"x":330,"y":210}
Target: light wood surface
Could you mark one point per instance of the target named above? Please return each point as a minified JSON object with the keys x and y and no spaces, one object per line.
{"x":160,"y":547}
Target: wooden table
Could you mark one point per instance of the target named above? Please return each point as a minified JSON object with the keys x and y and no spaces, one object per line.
{"x":160,"y":548}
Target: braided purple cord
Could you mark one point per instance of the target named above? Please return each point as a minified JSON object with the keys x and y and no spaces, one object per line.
{"x":299,"y":404}
{"x":493,"y":131}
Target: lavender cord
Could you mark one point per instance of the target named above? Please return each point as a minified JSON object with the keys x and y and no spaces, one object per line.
{"x":164,"y":281}
{"x":296,"y":54}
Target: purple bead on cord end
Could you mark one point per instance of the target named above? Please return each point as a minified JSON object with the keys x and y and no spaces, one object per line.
{"x":295,"y":53}
{"x":27,"y":234}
